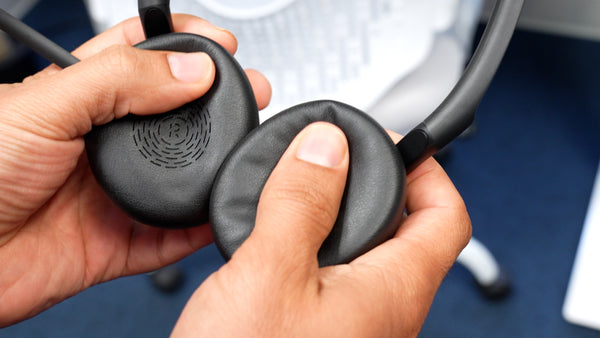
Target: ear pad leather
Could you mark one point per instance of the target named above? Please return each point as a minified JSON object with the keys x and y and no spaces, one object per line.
{"x":159,"y":169}
{"x":373,"y":203}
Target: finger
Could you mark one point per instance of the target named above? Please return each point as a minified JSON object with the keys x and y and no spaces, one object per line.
{"x":440,"y":212}
{"x":152,"y":248}
{"x":259,"y":83}
{"x":261,"y":87}
{"x":119,"y":245}
{"x":442,"y":195}
{"x":428,"y":242}
{"x":130,"y":32}
{"x":5,"y":87}
{"x":300,"y":201}
{"x":437,"y":227}
{"x":394,"y":136}
{"x":115,"y":82}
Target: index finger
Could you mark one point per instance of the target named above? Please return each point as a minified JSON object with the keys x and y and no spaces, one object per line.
{"x":130,"y":32}
{"x":437,"y":227}
{"x":413,"y":264}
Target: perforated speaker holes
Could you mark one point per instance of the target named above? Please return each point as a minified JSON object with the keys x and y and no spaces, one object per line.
{"x":175,"y":140}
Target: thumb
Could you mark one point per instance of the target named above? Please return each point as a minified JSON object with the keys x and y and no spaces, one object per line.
{"x":117,"y":81}
{"x":300,"y":201}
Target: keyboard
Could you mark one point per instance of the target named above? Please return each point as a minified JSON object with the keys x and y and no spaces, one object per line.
{"x":347,"y":50}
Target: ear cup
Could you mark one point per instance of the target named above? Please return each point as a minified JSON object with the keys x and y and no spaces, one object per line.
{"x":160,"y":169}
{"x":373,"y":203}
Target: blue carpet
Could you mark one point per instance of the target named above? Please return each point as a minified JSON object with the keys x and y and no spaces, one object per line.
{"x":526,"y":176}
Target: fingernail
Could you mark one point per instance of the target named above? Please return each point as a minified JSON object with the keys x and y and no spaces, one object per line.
{"x":323,"y":145}
{"x":190,"y":67}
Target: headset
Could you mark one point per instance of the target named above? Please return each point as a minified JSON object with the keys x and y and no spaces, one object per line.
{"x":209,"y":159}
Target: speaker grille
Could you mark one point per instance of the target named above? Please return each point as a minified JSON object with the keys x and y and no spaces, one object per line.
{"x":174,"y":140}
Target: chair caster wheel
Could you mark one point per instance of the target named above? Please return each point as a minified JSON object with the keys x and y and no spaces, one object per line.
{"x":167,"y":279}
{"x":499,"y":288}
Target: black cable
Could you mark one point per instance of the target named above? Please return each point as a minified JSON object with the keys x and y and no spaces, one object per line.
{"x":456,"y":113}
{"x":36,"y":41}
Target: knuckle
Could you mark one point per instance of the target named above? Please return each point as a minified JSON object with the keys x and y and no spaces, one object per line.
{"x":121,"y":72}
{"x":32,"y":78}
{"x":121,"y":59}
{"x":463,"y":228}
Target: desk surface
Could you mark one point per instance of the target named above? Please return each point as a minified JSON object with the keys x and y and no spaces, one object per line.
{"x":582,"y":302}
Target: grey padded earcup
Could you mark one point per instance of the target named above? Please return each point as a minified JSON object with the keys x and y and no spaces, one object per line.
{"x":373,"y":203}
{"x":160,"y":169}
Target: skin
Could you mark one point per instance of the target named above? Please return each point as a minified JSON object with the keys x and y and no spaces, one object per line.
{"x":273,"y":285}
{"x":60,"y":234}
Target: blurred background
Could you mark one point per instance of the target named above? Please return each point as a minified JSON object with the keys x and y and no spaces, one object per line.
{"x":526,"y":169}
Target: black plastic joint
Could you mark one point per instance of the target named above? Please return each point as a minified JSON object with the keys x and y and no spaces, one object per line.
{"x":415,"y":147}
{"x":156,"y":17}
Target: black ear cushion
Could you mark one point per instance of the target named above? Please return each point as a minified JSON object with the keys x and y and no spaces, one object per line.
{"x":160,"y":169}
{"x":373,"y":203}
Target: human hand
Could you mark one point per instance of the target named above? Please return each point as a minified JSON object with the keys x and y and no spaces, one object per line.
{"x":273,"y":286}
{"x":59,"y":234}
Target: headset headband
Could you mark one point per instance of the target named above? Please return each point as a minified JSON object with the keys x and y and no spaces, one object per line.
{"x":456,"y":113}
{"x":448,"y":121}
